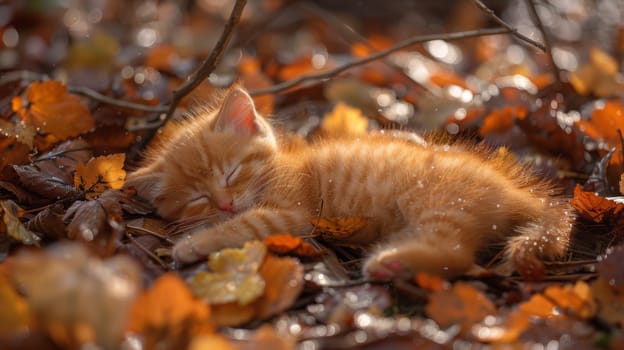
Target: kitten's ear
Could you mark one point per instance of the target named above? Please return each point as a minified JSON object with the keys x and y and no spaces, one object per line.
{"x":237,"y":113}
{"x":147,"y":182}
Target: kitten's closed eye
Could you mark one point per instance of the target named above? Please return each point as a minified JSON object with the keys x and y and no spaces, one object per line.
{"x":232,"y":175}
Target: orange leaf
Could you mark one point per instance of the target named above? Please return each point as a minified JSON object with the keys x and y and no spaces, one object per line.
{"x":605,"y":123}
{"x":557,"y":300}
{"x":284,"y":282}
{"x":501,"y":120}
{"x":168,"y":316}
{"x":49,"y":107}
{"x":430,"y":282}
{"x":15,"y":315}
{"x":593,"y":207}
{"x":339,"y":227}
{"x":100,"y":174}
{"x":462,"y":304}
{"x":282,"y":243}
{"x":306,"y":250}
{"x":344,"y":120}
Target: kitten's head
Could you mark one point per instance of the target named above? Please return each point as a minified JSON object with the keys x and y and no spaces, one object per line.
{"x":214,"y":167}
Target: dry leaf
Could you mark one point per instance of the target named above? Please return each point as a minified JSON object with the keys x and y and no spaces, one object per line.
{"x":339,"y":227}
{"x":344,"y":120}
{"x":502,"y":329}
{"x":99,"y":174}
{"x":233,"y":277}
{"x":609,"y":300}
{"x":44,"y":184}
{"x":611,"y":266}
{"x":97,"y":221}
{"x":430,"y":282}
{"x":605,"y":123}
{"x":21,"y":132}
{"x":49,"y":107}
{"x":12,"y":152}
{"x":12,"y":225}
{"x":462,"y":304}
{"x":284,"y":281}
{"x":501,"y":120}
{"x":76,"y":298}
{"x":558,"y":300}
{"x":599,"y":76}
{"x":15,"y":315}
{"x":168,"y":316}
{"x":595,"y":208}
{"x":283,"y":243}
{"x":210,"y":342}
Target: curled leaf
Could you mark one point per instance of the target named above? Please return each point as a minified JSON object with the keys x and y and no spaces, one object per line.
{"x":339,"y":227}
{"x":13,"y":226}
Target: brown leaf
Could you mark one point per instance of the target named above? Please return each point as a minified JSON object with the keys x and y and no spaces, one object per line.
{"x":76,"y":298}
{"x":49,"y":107}
{"x":12,"y":152}
{"x":462,"y":304}
{"x":595,"y":208}
{"x":168,"y":316}
{"x":611,"y":266}
{"x":44,"y":184}
{"x":605,"y":123}
{"x":339,"y":227}
{"x":430,"y":282}
{"x":61,"y":161}
{"x":49,"y":222}
{"x":99,"y":174}
{"x":97,"y":221}
{"x":283,"y":243}
{"x":21,"y":132}
{"x":284,"y":282}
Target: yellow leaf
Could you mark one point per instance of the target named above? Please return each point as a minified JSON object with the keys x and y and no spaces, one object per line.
{"x":100,"y":174}
{"x":344,"y":120}
{"x":234,"y":276}
{"x":339,"y":227}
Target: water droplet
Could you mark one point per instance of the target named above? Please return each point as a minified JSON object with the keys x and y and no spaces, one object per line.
{"x":299,"y":203}
{"x":494,"y":227}
{"x":457,"y":246}
{"x":497,"y":205}
{"x":331,"y":180}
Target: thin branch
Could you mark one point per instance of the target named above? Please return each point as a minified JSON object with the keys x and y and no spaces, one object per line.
{"x":206,"y":68}
{"x":147,"y":251}
{"x":549,"y":47}
{"x":111,"y":101}
{"x":377,"y":55}
{"x":29,"y":76}
{"x":514,"y":31}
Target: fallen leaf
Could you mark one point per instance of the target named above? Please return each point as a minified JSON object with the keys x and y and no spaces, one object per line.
{"x":233,"y":277}
{"x":599,"y":76}
{"x":15,"y":315}
{"x":12,"y":152}
{"x":13,"y":226}
{"x":44,"y":184}
{"x":49,"y":107}
{"x":49,"y":222}
{"x":21,"y":132}
{"x":605,"y":122}
{"x":430,"y":282}
{"x":462,"y":304}
{"x":501,"y":120}
{"x":560,"y":300}
{"x":283,"y":283}
{"x":76,"y":298}
{"x":502,"y":329}
{"x":344,"y":120}
{"x":168,"y":316}
{"x":211,"y":342}
{"x":340,"y":227}
{"x":96,"y":221}
{"x":282,"y":243}
{"x":99,"y":174}
{"x":609,"y":300}
{"x":595,"y":208}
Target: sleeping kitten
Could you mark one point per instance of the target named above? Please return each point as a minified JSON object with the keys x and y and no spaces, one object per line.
{"x":430,"y":208}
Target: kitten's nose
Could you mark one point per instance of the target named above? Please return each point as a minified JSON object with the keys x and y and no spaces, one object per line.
{"x":227,"y":206}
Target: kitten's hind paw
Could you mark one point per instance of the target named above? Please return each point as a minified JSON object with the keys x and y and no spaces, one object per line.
{"x":185,"y":251}
{"x":406,"y":259}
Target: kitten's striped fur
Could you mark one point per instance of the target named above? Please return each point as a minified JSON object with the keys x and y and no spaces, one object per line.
{"x":429,"y":208}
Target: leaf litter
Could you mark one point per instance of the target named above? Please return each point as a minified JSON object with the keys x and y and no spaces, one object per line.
{"x":65,"y":153}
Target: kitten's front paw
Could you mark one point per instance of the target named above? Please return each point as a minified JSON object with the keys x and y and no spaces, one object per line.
{"x":184,"y":252}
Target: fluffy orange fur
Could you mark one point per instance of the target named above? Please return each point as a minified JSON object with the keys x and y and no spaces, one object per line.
{"x":227,"y":178}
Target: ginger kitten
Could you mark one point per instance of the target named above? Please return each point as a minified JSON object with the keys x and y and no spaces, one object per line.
{"x":429,"y":209}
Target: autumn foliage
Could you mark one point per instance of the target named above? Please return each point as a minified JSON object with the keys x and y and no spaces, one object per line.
{"x":86,"y":263}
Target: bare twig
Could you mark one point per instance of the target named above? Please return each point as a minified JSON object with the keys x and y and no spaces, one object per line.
{"x":28,"y":76}
{"x":512,"y":30}
{"x":206,"y":68}
{"x":111,"y":101}
{"x":546,"y":38}
{"x":377,"y":55}
{"x":147,"y":251}
{"x":352,"y":35}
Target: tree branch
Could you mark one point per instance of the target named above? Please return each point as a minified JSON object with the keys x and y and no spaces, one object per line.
{"x":377,"y":55}
{"x":111,"y":101}
{"x":206,"y":68}
{"x":549,"y":47}
{"x":512,"y":30}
